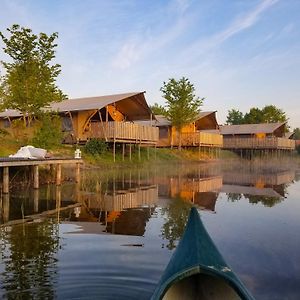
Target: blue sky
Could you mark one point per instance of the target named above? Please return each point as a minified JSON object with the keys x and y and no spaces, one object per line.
{"x":238,"y":54}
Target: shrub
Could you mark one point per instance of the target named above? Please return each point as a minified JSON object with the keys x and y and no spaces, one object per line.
{"x":298,"y":149}
{"x":19,"y":130}
{"x":95,"y":147}
{"x":48,"y":134}
{"x":3,"y":132}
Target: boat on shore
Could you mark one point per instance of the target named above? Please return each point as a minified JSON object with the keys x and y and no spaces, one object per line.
{"x":197,"y":270}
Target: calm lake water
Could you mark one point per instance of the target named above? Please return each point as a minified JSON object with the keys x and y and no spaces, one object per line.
{"x":112,"y":236}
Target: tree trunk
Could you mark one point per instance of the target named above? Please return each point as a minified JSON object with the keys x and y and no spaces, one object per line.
{"x":179,"y":142}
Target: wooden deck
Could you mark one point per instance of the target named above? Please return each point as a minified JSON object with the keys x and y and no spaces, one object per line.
{"x":274,"y":143}
{"x":196,"y":185}
{"x":7,"y":162}
{"x":202,"y":139}
{"x":124,"y":132}
{"x":259,"y":180}
{"x":122,"y":199}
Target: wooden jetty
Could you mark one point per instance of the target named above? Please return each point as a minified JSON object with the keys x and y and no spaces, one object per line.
{"x":7,"y":162}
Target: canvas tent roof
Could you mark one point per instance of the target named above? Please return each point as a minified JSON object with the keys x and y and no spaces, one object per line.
{"x":132,"y":105}
{"x":250,"y":128}
{"x":163,"y":121}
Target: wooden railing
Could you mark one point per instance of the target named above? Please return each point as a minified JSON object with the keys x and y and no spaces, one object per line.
{"x":199,"y":139}
{"x":120,"y":200}
{"x":197,"y":185}
{"x":124,"y":132}
{"x":256,"y":143}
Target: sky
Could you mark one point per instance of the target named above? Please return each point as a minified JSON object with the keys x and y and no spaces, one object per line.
{"x":237,"y":53}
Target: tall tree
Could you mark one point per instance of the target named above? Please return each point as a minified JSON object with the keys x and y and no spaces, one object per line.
{"x":158,"y":109}
{"x":254,"y":116}
{"x":268,"y":114}
{"x":182,"y":105}
{"x":30,"y":77}
{"x":296,"y":133}
{"x":272,"y":114}
{"x":234,"y":117}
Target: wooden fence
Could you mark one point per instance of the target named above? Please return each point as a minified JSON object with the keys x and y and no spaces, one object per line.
{"x":257,"y":143}
{"x":199,"y":139}
{"x":124,"y":132}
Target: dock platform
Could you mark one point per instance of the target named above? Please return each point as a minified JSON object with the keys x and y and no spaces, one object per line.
{"x":7,"y":162}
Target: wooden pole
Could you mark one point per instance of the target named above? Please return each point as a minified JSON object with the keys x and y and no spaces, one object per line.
{"x":58,"y":174}
{"x":148,"y":152}
{"x":5,"y":180}
{"x":5,"y":214}
{"x":36,"y":177}
{"x":58,"y":200}
{"x":123,"y":152}
{"x":114,"y":150}
{"x":130,"y":152}
{"x":36,"y":200}
{"x":52,"y":172}
{"x":104,"y":130}
{"x":139,"y":151}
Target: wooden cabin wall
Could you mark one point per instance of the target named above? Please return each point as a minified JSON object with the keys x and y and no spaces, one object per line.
{"x":185,"y":129}
{"x":81,"y":120}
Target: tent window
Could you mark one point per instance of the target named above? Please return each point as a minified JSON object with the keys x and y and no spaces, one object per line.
{"x":66,"y":124}
{"x":6,"y":123}
{"x":163,"y":132}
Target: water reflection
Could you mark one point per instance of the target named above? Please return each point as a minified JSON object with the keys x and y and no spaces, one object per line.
{"x":29,"y":257}
{"x":114,"y":199}
{"x":146,"y":209}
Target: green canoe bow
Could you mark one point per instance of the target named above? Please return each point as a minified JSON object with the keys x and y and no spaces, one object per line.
{"x":197,"y":261}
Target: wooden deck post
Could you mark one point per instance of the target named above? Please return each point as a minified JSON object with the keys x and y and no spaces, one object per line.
{"x":77,"y":173}
{"x":5,"y":180}
{"x":36,"y":193}
{"x":58,"y":174}
{"x":123,"y":152}
{"x":139,"y":151}
{"x":58,"y":201}
{"x":35,"y":177}
{"x":148,"y":152}
{"x":5,"y":207}
{"x":52,"y":172}
{"x":130,"y":152}
{"x":114,"y":151}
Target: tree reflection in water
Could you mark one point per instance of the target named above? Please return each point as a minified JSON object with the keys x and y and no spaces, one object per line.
{"x":29,"y":255}
{"x":175,"y":216}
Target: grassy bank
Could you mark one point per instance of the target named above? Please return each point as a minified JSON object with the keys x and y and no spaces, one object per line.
{"x":147,"y":156}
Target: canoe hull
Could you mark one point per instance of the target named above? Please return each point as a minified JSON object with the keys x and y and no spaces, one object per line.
{"x":197,"y":266}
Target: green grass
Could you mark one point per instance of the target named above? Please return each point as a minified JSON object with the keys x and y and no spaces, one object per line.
{"x":156,"y":156}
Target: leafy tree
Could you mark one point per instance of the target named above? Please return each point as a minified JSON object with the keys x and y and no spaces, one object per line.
{"x":158,"y":109}
{"x":234,"y":117}
{"x":29,"y":82}
{"x":272,"y":114}
{"x":268,"y":114}
{"x":48,"y":134}
{"x":254,"y":116}
{"x":296,"y":133}
{"x":177,"y":213}
{"x":183,"y":106}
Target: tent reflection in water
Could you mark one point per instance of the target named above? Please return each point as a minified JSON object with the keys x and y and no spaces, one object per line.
{"x":197,"y":270}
